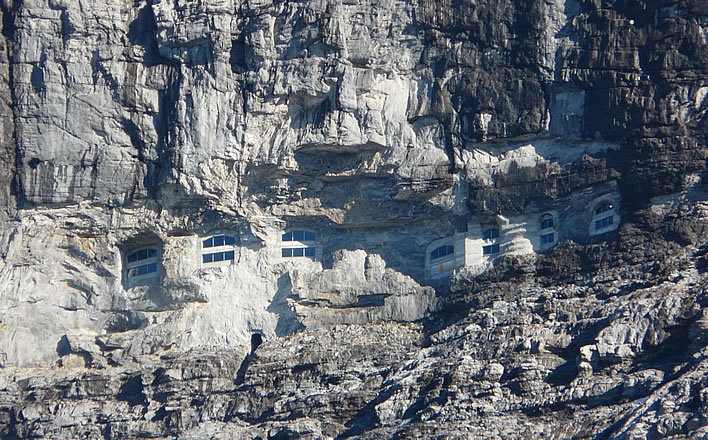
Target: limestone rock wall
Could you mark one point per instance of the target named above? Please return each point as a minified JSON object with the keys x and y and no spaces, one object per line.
{"x":383,"y":126}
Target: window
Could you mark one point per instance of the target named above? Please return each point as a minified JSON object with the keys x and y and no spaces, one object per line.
{"x":491,"y":249}
{"x":142,"y":254}
{"x":546,"y":222}
{"x":219,"y":240}
{"x":299,"y":236}
{"x":141,"y":262}
{"x":298,"y":252}
{"x":218,"y":248}
{"x":298,"y":244}
{"x":218,"y":256}
{"x":490,"y":233}
{"x":442,"y":251}
{"x":603,"y":223}
{"x":142,"y":270}
{"x":604,"y":207}
{"x":548,"y":238}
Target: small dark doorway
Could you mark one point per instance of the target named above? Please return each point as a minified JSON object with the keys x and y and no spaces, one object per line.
{"x":256,"y":340}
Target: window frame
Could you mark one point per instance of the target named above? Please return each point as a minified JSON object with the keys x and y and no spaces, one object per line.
{"x":298,"y":243}
{"x":218,"y":249}
{"x":142,"y":267}
{"x":449,"y":251}
{"x":603,"y":207}
{"x":491,"y":249}
{"x":491,"y":233}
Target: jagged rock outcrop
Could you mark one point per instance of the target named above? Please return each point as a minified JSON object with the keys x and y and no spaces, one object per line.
{"x":133,"y":132}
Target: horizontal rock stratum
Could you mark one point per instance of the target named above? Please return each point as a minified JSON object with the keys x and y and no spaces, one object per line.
{"x":353,"y":219}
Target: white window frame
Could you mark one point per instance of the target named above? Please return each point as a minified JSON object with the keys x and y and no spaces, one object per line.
{"x":305,"y":246}
{"x":547,"y":230}
{"x":442,"y":266}
{"x":226,"y":247}
{"x":609,"y":213}
{"x":152,"y":260}
{"x":491,"y":243}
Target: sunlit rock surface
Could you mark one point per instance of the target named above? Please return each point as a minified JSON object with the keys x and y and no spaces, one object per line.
{"x":384,"y":128}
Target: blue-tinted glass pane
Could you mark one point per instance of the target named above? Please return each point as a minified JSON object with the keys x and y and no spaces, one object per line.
{"x":206,"y":258}
{"x":490,"y":233}
{"x":219,"y":240}
{"x":490,"y":249}
{"x":141,"y":270}
{"x":298,"y":235}
{"x":288,"y":236}
{"x":435,"y":254}
{"x":610,"y":220}
{"x":310,"y":252}
{"x":209,"y":242}
{"x":450,"y":250}
{"x":229,"y":255}
{"x":219,"y":256}
{"x":229,"y":240}
{"x":547,"y":223}
{"x":152,"y":253}
{"x":298,"y":252}
{"x":132,"y":257}
{"x":152,"y":267}
{"x":309,"y":236}
{"x":287,"y":252}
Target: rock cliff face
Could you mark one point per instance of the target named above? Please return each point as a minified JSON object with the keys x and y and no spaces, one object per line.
{"x":163,"y":164}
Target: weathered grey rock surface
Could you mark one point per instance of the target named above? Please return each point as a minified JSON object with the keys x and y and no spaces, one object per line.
{"x":381,"y":126}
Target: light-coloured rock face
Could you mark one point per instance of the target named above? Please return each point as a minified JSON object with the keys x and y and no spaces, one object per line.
{"x":387,"y":129}
{"x":156,"y":123}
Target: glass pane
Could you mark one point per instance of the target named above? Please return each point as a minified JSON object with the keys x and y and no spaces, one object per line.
{"x":229,"y":240}
{"x":490,"y":233}
{"x":309,"y":236}
{"x":219,"y":240}
{"x":208,"y":243}
{"x":298,"y":252}
{"x":229,"y":255}
{"x":287,"y":252}
{"x":288,"y":236}
{"x":218,"y":256}
{"x":298,"y":236}
{"x":152,"y":253}
{"x":132,"y":257}
{"x":435,"y":254}
{"x":152,"y":268}
{"x":310,"y":252}
{"x":206,"y":258}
